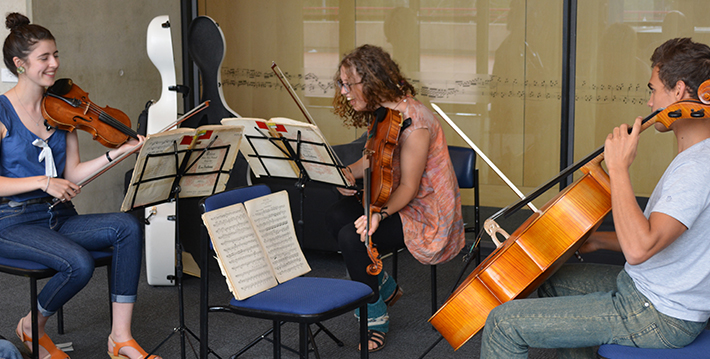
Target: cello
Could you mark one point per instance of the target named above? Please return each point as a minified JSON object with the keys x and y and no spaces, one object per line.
{"x":525,"y":260}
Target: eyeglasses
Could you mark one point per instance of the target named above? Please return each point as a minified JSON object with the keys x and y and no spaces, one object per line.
{"x":346,"y":85}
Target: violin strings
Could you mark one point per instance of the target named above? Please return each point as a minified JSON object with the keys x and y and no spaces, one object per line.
{"x":104,"y":116}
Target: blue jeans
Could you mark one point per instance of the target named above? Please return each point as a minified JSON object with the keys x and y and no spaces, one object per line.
{"x":8,"y":351}
{"x":587,"y":305}
{"x":61,"y":239}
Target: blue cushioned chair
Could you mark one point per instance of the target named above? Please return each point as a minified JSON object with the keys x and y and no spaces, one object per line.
{"x":36,"y":271}
{"x":303,"y":300}
{"x":464,"y":161}
{"x":700,"y":348}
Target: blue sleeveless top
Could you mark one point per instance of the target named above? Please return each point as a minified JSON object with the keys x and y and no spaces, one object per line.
{"x":19,"y":157}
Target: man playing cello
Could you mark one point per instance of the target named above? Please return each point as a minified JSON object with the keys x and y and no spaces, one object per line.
{"x":658,"y":299}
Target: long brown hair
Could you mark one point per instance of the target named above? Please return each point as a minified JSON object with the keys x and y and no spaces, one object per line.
{"x":382,"y":81}
{"x":23,"y":36}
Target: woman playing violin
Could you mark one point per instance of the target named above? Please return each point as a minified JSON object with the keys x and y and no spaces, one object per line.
{"x":423,"y":211}
{"x":659,"y":298}
{"x":39,"y":164}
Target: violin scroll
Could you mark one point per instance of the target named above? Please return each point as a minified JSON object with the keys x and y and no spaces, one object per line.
{"x":376,"y":266}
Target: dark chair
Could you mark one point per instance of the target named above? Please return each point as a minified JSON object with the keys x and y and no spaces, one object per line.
{"x":303,"y":300}
{"x":36,"y":271}
{"x":464,"y":161}
{"x":700,"y":348}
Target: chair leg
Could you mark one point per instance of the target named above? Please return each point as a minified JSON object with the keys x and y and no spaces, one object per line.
{"x":364,"y":352}
{"x":60,"y":320}
{"x":35,"y":318}
{"x":303,"y":340}
{"x":110,"y":305}
{"x":277,"y":339}
{"x":394,"y":265}
{"x":434,"y":304}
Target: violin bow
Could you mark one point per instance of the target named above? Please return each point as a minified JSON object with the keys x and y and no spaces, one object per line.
{"x":135,"y":149}
{"x":280,"y":75}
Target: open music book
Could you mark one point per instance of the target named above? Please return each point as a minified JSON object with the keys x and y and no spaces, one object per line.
{"x":256,"y":244}
{"x":212,"y":150}
{"x":264,"y":147}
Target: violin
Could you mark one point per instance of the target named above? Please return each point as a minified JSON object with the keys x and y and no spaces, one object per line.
{"x":65,"y":106}
{"x":547,"y":239}
{"x":382,"y":138}
{"x":135,"y":149}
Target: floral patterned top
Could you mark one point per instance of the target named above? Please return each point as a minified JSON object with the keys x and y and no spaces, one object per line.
{"x":432,"y":221}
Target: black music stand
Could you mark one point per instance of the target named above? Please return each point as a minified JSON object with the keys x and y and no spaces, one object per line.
{"x":288,"y":149}
{"x":306,"y":166}
{"x":204,"y":160}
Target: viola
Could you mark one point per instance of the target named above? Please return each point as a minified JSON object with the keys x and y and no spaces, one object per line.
{"x":383,"y":135}
{"x":65,"y":106}
{"x":546,"y":240}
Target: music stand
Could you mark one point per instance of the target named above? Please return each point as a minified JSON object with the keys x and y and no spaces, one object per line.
{"x":178,"y":164}
{"x":289,"y":149}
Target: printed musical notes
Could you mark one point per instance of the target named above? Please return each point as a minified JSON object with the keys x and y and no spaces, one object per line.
{"x":256,"y":244}
{"x":452,"y":88}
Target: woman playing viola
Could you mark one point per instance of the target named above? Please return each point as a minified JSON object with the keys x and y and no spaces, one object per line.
{"x":40,"y":164}
{"x":423,"y":211}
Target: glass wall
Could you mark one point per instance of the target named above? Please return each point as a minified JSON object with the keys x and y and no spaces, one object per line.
{"x":616,"y":39}
{"x":494,"y":66}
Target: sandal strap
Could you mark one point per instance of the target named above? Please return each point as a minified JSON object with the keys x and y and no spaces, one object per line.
{"x":54,"y":352}
{"x":129,"y":343}
{"x":376,"y":337}
{"x":44,"y":341}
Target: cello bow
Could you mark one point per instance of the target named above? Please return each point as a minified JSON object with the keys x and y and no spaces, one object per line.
{"x":490,"y":225}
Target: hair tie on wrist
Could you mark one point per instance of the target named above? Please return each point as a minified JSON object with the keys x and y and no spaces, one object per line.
{"x":47,"y":186}
{"x":383,"y":214}
{"x":108,"y":157}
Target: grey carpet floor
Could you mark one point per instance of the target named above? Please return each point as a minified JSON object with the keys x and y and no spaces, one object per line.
{"x":156,"y":315}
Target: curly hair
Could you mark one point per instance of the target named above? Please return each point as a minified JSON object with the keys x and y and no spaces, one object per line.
{"x":382,"y":81}
{"x":681,"y":59}
{"x":23,"y":36}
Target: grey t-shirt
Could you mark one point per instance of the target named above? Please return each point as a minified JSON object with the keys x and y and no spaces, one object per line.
{"x":677,"y":279}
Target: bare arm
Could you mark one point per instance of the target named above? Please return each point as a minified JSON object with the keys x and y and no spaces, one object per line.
{"x":413,"y":158}
{"x":639,"y":238}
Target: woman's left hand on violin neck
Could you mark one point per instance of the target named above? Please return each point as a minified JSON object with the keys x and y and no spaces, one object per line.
{"x":361,"y":225}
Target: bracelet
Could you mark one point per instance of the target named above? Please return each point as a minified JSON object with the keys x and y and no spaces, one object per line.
{"x":108,"y":157}
{"x":383,"y":214}
{"x":47,"y":186}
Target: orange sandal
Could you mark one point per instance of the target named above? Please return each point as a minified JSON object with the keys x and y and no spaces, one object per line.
{"x":131,"y":343}
{"x":44,"y":342}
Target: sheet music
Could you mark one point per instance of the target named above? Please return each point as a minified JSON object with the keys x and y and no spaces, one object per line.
{"x":271,"y":216}
{"x":156,"y":166}
{"x":256,"y":146}
{"x":240,"y":255}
